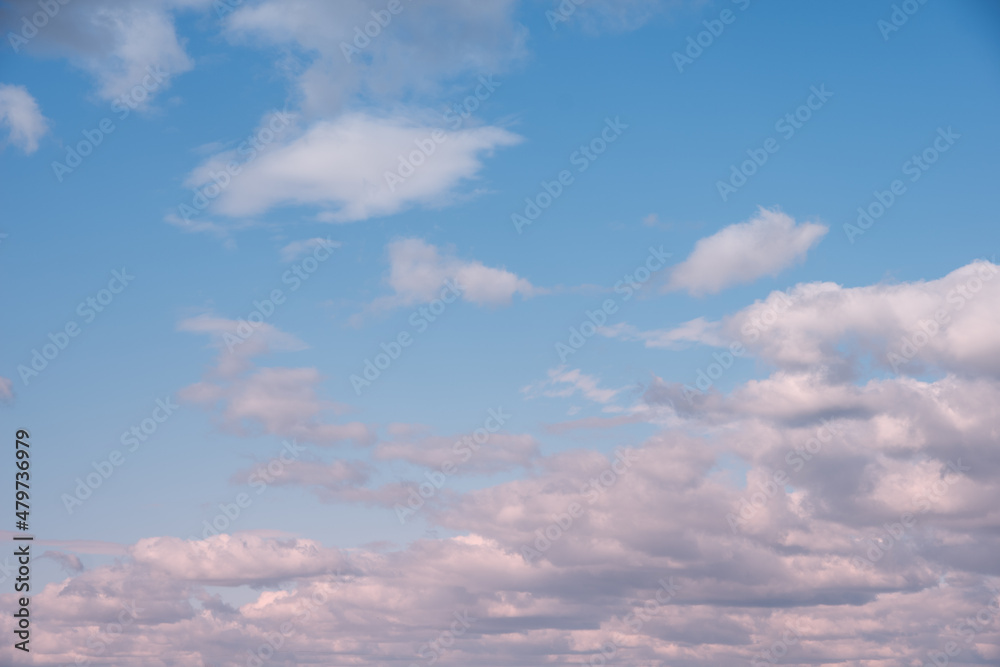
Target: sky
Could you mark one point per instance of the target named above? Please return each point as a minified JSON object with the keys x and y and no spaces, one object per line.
{"x":416,"y":332}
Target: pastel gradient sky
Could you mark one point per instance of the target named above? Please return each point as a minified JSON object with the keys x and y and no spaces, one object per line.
{"x":627,"y":332}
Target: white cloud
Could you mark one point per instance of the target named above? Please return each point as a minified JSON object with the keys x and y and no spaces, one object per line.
{"x":340,"y":166}
{"x":6,"y":389}
{"x":764,"y":245}
{"x":946,"y":324}
{"x":236,"y":559}
{"x":19,"y":113}
{"x":419,"y":271}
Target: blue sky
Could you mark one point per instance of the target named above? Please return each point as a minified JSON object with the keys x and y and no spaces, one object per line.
{"x":557,"y":85}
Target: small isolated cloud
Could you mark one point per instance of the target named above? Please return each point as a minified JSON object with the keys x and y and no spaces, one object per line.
{"x":21,"y":117}
{"x":502,"y":451}
{"x":238,"y":341}
{"x":563,"y":383}
{"x":278,"y":401}
{"x":297,"y":249}
{"x":341,"y":166}
{"x":764,"y":245}
{"x":6,"y":389}
{"x":418,"y":272}
{"x":698,"y":330}
{"x":607,"y":16}
{"x":67,"y":561}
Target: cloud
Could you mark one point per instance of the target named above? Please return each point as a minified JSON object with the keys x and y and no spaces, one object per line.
{"x":646,"y":521}
{"x":698,"y":330}
{"x":407,"y":57}
{"x":764,"y":245}
{"x":19,"y":113}
{"x":239,"y":341}
{"x":297,"y":249}
{"x":276,"y":401}
{"x":563,"y":383}
{"x":68,"y":562}
{"x":419,"y":271}
{"x":340,"y":166}
{"x":6,"y":389}
{"x":944,"y":325}
{"x":614,"y":16}
{"x":233,"y":560}
{"x":941,"y":325}
{"x":502,"y":451}
{"x":116,"y":41}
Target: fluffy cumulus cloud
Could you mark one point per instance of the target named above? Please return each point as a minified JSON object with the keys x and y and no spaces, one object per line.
{"x":21,"y":117}
{"x":687,"y":572}
{"x":944,"y":325}
{"x":765,"y":245}
{"x":829,"y":512}
{"x":352,"y":167}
